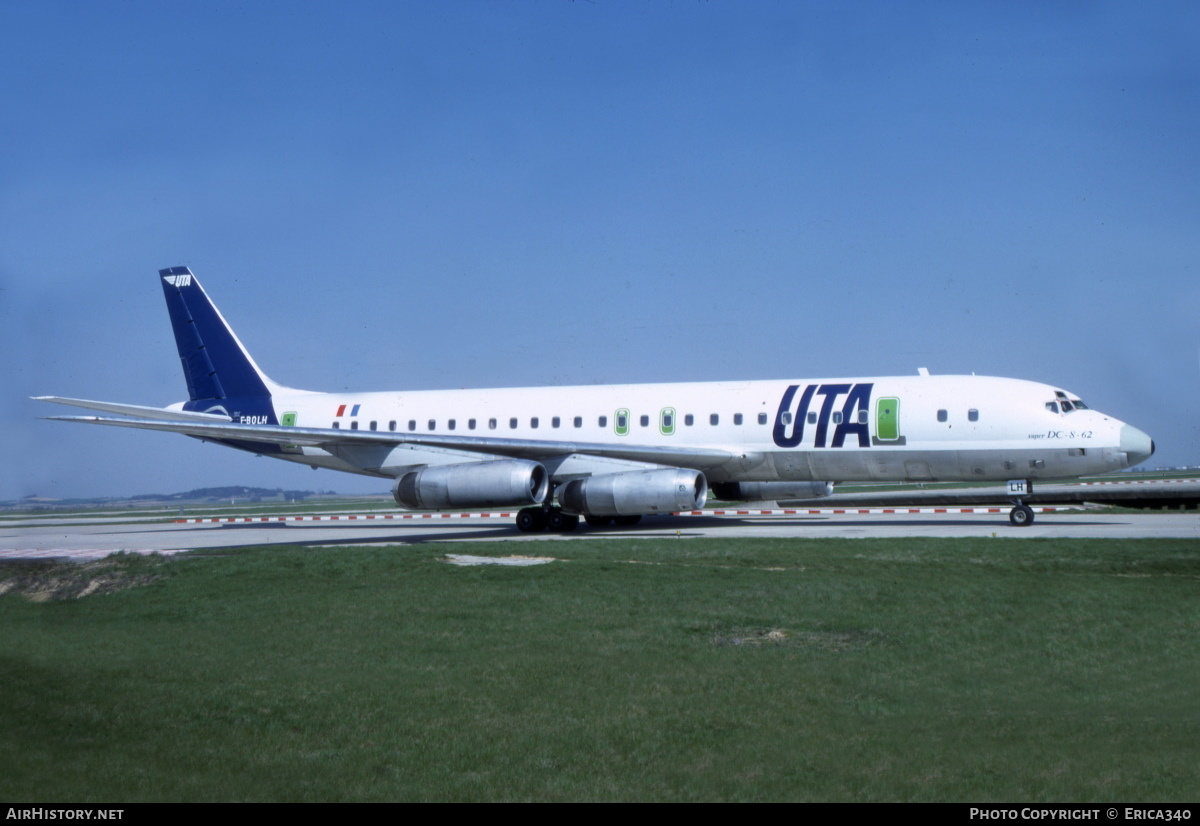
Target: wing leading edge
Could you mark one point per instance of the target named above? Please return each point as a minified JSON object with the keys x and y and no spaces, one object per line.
{"x":697,"y":458}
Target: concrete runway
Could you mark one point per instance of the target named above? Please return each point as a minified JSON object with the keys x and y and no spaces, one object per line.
{"x":48,"y":538}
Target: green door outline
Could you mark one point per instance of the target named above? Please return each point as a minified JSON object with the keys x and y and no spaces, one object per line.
{"x":887,"y":419}
{"x":289,"y":420}
{"x":621,"y":422}
{"x":666,"y":421}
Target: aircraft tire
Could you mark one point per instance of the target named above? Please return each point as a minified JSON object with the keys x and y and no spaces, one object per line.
{"x":560,"y":522}
{"x":1021,"y":516}
{"x":530,"y":520}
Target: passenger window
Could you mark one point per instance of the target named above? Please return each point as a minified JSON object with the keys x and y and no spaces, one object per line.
{"x":412,"y":424}
{"x":622,"y":423}
{"x":862,"y":417}
{"x":392,"y":426}
{"x":491,"y":424}
{"x":668,"y":421}
{"x":689,"y":420}
{"x":555,"y":422}
{"x":450,"y":424}
{"x":533,"y":422}
{"x":470,"y":424}
{"x":762,"y":418}
{"x":812,"y":418}
{"x":737,"y":418}
{"x":372,"y":425}
{"x":787,"y":417}
{"x":972,"y":415}
{"x":512,"y":424}
{"x":337,"y":425}
{"x":354,"y":425}
{"x":943,"y":416}
{"x":579,"y":421}
{"x":714,"y":419}
{"x":837,"y":417}
{"x":644,"y":421}
{"x":602,"y":421}
{"x":433,"y":424}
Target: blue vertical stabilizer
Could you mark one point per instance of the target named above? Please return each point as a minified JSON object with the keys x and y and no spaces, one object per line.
{"x":215,"y":364}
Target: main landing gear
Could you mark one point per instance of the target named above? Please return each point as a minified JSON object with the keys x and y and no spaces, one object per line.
{"x":530,"y":520}
{"x":1021,"y":515}
{"x":548,"y":518}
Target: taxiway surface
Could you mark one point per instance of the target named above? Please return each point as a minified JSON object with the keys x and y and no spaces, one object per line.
{"x":86,"y":541}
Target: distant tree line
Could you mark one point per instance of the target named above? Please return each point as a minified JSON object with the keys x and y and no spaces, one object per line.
{"x":229,"y":492}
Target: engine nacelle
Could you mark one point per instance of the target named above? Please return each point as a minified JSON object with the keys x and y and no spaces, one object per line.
{"x":473,"y":485}
{"x":635,"y":492}
{"x":764,"y":491}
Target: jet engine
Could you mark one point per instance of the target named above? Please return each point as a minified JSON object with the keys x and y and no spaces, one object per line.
{"x":473,"y":485}
{"x":635,"y":492}
{"x":764,"y":491}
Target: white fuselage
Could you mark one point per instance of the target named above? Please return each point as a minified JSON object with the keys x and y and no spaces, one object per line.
{"x":899,"y":428}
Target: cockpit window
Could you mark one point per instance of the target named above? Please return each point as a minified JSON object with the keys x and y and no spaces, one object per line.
{"x":1065,"y":404}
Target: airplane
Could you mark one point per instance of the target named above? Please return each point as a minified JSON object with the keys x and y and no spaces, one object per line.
{"x":614,"y":453}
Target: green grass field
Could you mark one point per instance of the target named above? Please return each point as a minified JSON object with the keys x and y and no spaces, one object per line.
{"x":627,"y":669}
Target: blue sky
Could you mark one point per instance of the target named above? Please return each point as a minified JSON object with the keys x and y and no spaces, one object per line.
{"x":405,"y":195}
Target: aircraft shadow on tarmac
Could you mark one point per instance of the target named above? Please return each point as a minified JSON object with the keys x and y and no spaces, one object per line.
{"x":659,"y":528}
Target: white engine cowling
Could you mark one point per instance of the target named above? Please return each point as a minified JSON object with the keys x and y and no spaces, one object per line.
{"x":635,"y":492}
{"x":765,"y":491}
{"x":473,"y":485}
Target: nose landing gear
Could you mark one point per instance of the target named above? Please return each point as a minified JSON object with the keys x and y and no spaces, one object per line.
{"x":1021,"y":515}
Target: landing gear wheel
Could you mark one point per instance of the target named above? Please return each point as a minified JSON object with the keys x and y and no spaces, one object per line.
{"x":561,"y":522}
{"x":597,"y":521}
{"x":531,"y":519}
{"x":1021,"y":516}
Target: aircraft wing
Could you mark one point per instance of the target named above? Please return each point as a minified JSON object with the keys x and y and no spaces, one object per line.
{"x":534,"y":449}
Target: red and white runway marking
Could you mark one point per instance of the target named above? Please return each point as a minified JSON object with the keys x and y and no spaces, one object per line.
{"x":368,"y":517}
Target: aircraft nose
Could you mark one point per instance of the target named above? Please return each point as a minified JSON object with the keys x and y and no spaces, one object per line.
{"x":1136,"y":445}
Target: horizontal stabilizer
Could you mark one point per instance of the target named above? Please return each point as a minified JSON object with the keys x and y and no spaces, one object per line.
{"x":137,"y":411}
